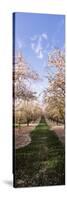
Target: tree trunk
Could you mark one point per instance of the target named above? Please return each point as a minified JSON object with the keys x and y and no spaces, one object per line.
{"x":27,"y":123}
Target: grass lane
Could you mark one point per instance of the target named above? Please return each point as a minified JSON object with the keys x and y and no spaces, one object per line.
{"x":42,"y":162}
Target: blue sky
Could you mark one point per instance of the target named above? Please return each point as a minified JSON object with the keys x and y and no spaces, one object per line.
{"x":35,"y":36}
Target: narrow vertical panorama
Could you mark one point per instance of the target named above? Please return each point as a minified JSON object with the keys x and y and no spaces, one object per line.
{"x":38,"y":99}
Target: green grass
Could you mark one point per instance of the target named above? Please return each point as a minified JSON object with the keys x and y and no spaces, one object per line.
{"x":42,"y":162}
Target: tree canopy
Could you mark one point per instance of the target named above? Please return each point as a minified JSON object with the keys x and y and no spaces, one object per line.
{"x":55,"y":93}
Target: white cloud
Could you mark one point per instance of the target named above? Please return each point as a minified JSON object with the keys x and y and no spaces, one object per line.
{"x":37,"y":49}
{"x":44,"y":35}
{"x":40,"y":55}
{"x":34,"y":37}
{"x":33,"y":46}
{"x":37,"y":44}
{"x":19,"y":44}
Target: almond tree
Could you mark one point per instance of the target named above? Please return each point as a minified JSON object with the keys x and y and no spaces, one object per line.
{"x":22,"y":74}
{"x":55,"y":93}
{"x":27,"y":113}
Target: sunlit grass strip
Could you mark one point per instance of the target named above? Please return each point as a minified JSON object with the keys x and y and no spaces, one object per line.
{"x":42,"y":162}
